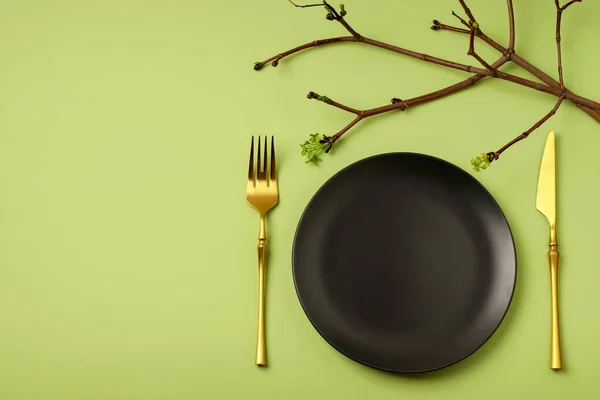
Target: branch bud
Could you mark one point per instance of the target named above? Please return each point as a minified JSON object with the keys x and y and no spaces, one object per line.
{"x":327,"y":140}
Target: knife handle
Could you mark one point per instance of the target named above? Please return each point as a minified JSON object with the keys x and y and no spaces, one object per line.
{"x":555,"y":353}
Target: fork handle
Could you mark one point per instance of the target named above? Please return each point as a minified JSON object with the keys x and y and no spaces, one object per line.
{"x":261,"y":354}
{"x":555,"y":353}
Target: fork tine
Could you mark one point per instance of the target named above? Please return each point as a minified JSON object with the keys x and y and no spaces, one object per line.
{"x":251,"y":167}
{"x":265,"y":158}
{"x":261,"y":173}
{"x":273,"y":164}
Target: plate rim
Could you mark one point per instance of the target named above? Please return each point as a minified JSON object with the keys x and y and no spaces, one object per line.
{"x":469,"y":176}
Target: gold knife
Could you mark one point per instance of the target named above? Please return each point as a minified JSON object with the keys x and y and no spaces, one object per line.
{"x":546,"y":204}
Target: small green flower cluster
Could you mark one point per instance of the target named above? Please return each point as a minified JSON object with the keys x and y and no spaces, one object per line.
{"x":312,"y":148}
{"x":481,"y":162}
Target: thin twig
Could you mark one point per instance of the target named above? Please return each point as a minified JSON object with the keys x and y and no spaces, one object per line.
{"x":526,"y":134}
{"x":570,"y":4}
{"x":559,"y":11}
{"x":307,"y":5}
{"x":511,"y":23}
{"x":462,"y":21}
{"x":471,"y":41}
{"x":439,"y":25}
{"x":342,"y":21}
{"x":327,"y":100}
{"x":483,"y":62}
{"x":316,"y":43}
{"x":335,"y":15}
{"x":472,"y":52}
{"x":338,"y":135}
{"x":340,"y":18}
{"x":331,"y":10}
{"x":558,"y":49}
{"x":467,"y":10}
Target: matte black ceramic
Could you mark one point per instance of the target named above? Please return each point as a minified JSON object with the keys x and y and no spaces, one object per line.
{"x":404,"y":262}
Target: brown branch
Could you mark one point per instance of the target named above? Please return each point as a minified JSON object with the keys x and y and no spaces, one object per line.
{"x":339,"y":17}
{"x":450,"y":64}
{"x":437,"y":25}
{"x":472,"y":52}
{"x":531,"y":84}
{"x":436,"y":94}
{"x":475,"y":31}
{"x":570,"y":4}
{"x":331,"y":9}
{"x":327,"y":100}
{"x":342,"y":21}
{"x":482,"y":61}
{"x":582,"y":101}
{"x":471,"y":41}
{"x":468,"y":68}
{"x":467,"y":10}
{"x":276,"y":58}
{"x":526,"y":134}
{"x":401,"y":105}
{"x":549,"y":86}
{"x":338,"y":135}
{"x":425,"y":57}
{"x":559,"y":11}
{"x":558,"y":50}
{"x":591,"y":109}
{"x":436,"y":60}
{"x":335,"y":16}
{"x":511,"y":23}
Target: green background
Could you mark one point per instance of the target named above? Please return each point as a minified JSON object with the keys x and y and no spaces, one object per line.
{"x":128,"y":253}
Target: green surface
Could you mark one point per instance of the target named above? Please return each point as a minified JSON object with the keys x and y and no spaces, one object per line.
{"x":127,"y":252}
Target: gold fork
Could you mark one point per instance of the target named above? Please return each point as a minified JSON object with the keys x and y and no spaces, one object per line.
{"x":262,"y":194}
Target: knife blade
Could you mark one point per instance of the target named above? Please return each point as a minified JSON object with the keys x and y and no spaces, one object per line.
{"x":546,"y":191}
{"x":546,"y":204}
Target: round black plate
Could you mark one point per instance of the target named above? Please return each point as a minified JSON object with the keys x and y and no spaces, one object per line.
{"x":404,"y":262}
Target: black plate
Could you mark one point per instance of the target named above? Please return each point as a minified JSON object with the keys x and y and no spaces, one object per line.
{"x":404,"y":262}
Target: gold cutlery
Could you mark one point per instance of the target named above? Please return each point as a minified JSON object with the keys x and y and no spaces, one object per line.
{"x":546,"y":204}
{"x":262,"y":194}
